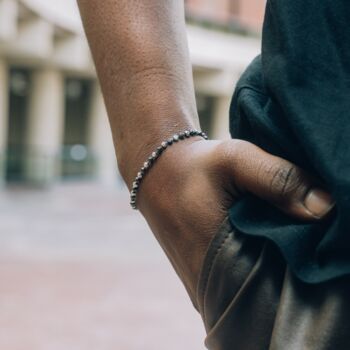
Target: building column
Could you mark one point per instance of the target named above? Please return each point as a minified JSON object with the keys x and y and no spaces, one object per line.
{"x":3,"y":117}
{"x":221,"y":118}
{"x":100,"y":140}
{"x":45,"y":127}
{"x":8,"y":19}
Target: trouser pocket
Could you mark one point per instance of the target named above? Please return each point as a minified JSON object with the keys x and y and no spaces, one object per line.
{"x":238,"y":290}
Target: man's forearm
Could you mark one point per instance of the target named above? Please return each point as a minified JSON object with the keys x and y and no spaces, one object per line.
{"x":141,"y":55}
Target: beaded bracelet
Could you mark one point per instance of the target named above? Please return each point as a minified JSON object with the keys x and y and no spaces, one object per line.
{"x":154,"y":156}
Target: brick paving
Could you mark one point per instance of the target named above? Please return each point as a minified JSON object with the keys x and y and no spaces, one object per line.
{"x":79,"y":270}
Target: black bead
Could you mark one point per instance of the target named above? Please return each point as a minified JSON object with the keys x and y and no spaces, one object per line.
{"x":192,"y":132}
{"x":170,"y":142}
{"x":181,"y":136}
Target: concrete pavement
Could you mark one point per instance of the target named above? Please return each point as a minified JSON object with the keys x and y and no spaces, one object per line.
{"x":81,"y":271}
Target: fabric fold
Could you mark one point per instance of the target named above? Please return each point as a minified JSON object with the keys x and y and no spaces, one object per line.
{"x":294,"y":102}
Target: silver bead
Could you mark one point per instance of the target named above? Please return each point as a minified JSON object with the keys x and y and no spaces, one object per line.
{"x":164,"y":144}
{"x":176,"y":137}
{"x":187,"y":133}
{"x":145,"y":165}
{"x":154,"y":155}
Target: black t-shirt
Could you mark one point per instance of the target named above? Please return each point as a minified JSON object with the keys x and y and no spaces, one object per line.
{"x":294,"y":102}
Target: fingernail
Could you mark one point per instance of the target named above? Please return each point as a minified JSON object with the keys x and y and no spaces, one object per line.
{"x":318,"y":202}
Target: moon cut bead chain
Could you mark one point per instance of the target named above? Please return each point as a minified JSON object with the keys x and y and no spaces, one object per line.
{"x":155,"y":155}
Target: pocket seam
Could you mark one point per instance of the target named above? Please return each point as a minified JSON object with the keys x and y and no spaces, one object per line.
{"x":213,"y":250}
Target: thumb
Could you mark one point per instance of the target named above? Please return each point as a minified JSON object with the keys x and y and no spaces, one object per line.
{"x":276,"y":180}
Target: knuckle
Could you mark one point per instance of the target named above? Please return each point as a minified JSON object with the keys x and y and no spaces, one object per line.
{"x":286,"y":181}
{"x":230,"y":152}
{"x":221,"y":155}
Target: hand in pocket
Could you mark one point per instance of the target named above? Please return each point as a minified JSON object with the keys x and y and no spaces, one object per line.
{"x":186,"y":195}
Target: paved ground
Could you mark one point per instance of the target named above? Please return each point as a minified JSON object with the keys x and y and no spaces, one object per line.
{"x":79,"y":270}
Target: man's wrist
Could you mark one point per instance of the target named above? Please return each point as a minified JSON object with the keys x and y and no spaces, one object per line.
{"x":132,"y":157}
{"x":157,"y":152}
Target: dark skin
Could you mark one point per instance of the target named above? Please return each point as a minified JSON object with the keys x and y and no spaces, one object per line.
{"x":142,"y":60}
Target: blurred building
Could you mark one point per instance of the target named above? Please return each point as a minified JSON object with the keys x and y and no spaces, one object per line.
{"x":53,"y":123}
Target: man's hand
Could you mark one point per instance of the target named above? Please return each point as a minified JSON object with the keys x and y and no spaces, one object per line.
{"x":186,"y":195}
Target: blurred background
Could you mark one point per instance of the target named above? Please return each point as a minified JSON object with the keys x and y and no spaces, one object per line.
{"x":78,"y":268}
